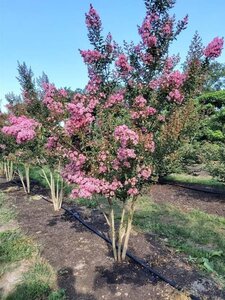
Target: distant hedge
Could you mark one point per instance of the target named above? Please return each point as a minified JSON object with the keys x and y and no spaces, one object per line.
{"x":216,"y":98}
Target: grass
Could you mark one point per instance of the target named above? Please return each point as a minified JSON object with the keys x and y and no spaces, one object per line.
{"x":6,"y":214}
{"x":201,"y":180}
{"x":37,"y":283}
{"x":14,"y":247}
{"x":89,"y":203}
{"x":197,"y":234}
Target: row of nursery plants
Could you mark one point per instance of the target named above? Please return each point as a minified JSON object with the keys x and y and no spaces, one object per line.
{"x":111,"y":138}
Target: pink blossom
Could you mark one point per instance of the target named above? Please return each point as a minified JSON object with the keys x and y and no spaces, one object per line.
{"x":80,"y":116}
{"x":88,"y":186}
{"x":131,"y":181}
{"x":167,"y":28}
{"x":63,"y":93}
{"x":176,"y":96}
{"x":145,"y":31}
{"x":81,"y":112}
{"x":175,"y":79}
{"x":52,"y":143}
{"x":125,"y":153}
{"x":140,"y":101}
{"x":115,"y":99}
{"x":214,"y":48}
{"x":161,"y":118}
{"x":93,"y":84}
{"x":123,"y":65}
{"x":145,"y":173}
{"x":147,"y":58}
{"x":149,"y":143}
{"x":91,"y":56}
{"x":93,"y":19}
{"x":22,"y":128}
{"x":154,"y":84}
{"x":124,"y":135}
{"x":133,"y":192}
{"x":50,"y":96}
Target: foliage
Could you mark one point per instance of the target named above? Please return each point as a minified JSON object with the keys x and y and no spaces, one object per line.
{"x":216,"y":77}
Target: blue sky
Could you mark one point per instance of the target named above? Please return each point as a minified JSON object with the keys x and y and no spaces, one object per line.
{"x":47,"y":34}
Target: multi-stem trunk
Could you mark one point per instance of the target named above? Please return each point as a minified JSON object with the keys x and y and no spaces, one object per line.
{"x":26,"y":182}
{"x":56,"y":187}
{"x":120,"y":237}
{"x":8,"y":170}
{"x":128,"y":229}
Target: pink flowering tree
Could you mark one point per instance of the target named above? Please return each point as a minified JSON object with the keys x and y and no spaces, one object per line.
{"x":36,"y":122}
{"x":7,"y":149}
{"x":115,"y":125}
{"x":54,"y":153}
{"x":23,"y":130}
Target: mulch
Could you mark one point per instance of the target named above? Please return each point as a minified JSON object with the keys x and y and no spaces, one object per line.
{"x":84,"y":263}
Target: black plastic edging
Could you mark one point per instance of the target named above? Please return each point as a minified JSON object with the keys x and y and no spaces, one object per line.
{"x":129,"y":254}
{"x":186,"y":186}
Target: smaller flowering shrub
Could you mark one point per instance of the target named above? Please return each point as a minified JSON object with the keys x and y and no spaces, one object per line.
{"x":24,"y":130}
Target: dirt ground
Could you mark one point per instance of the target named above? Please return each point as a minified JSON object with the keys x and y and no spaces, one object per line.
{"x":187,"y":199}
{"x":84,"y":264}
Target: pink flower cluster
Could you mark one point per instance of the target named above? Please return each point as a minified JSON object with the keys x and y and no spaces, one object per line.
{"x":173,"y":79}
{"x":93,"y":84}
{"x":102,"y":157}
{"x":115,"y":99}
{"x":124,"y":153}
{"x":80,"y":111}
{"x":176,"y":96}
{"x":167,"y":28}
{"x":51,"y":93}
{"x":52,"y":143}
{"x":145,"y":32}
{"x":87,"y":185}
{"x":147,"y":58}
{"x":123,"y":65}
{"x":93,"y":19}
{"x":214,"y":48}
{"x":143,"y":110}
{"x":90,"y":185}
{"x":22,"y":128}
{"x":124,"y":135}
{"x":133,"y":192}
{"x":145,"y":172}
{"x":91,"y":56}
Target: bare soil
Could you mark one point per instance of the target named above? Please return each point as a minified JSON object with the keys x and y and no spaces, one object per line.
{"x":187,"y":199}
{"x":83,"y":261}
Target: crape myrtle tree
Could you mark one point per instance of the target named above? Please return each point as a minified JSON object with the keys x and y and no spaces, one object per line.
{"x":116,"y":124}
{"x":55,"y":150}
{"x":7,"y":148}
{"x":20,"y":127}
{"x":32,"y":119}
{"x":23,"y":130}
